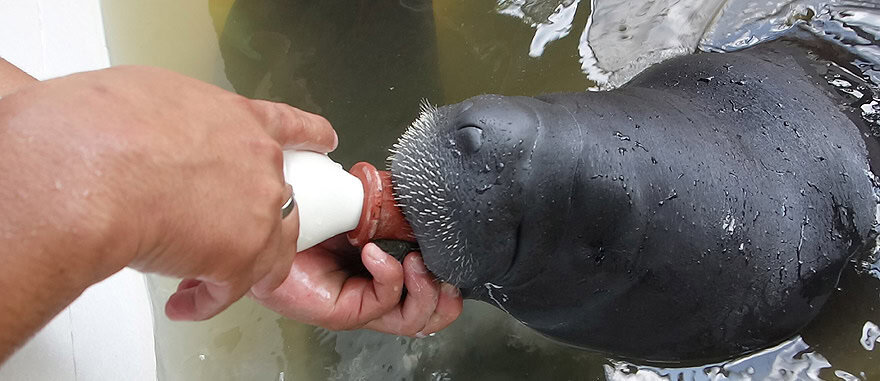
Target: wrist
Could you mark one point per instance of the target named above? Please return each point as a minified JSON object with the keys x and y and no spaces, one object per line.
{"x":54,"y":214}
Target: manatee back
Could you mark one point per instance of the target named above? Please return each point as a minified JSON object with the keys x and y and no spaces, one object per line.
{"x":718,"y":198}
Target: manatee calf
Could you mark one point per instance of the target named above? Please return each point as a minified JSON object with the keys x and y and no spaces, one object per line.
{"x":704,"y":210}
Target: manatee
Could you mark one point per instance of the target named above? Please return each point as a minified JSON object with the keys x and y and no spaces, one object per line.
{"x":704,"y":210}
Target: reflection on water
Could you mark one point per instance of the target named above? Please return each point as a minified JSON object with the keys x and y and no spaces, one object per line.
{"x":622,"y":38}
{"x":552,"y":20}
{"x":366,"y":65}
{"x":851,"y":25}
{"x":792,"y":360}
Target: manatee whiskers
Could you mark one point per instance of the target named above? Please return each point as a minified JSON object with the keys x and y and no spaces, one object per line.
{"x":420,"y":184}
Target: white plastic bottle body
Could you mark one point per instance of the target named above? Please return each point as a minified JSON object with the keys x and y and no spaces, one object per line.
{"x":329,"y":199}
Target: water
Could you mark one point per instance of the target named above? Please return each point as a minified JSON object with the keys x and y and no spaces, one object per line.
{"x":367,"y":65}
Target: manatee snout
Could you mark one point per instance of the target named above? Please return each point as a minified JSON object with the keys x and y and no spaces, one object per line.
{"x":456,"y":171}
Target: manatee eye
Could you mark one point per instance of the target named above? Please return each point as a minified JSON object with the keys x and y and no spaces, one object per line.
{"x":469,"y":138}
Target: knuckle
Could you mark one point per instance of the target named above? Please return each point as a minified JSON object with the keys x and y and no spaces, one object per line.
{"x":412,"y":327}
{"x":268,"y":153}
{"x":390,"y":298}
{"x":272,"y":114}
{"x":269,"y":191}
{"x":268,"y":113}
{"x":266,"y":148}
{"x":276,"y":156}
{"x":249,"y":107}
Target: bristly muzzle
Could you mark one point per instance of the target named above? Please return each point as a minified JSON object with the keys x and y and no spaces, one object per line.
{"x":419,"y":170}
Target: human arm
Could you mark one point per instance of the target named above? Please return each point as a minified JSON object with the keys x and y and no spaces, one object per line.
{"x":145,"y":168}
{"x":12,"y":78}
{"x":141,"y":167}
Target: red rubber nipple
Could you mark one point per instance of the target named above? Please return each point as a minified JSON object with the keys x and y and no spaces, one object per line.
{"x":381,"y":218}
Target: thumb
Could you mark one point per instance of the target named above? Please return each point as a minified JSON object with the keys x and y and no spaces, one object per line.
{"x":200,"y":300}
{"x":293,"y":128}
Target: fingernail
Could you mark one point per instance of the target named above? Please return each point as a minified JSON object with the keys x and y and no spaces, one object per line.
{"x":374,"y":253}
{"x":450,"y":290}
{"x":421,"y":335}
{"x":417,"y":265}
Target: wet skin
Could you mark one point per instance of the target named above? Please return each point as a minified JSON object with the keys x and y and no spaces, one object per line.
{"x":704,"y":210}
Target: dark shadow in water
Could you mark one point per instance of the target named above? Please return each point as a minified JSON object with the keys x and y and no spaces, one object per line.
{"x":356,"y":63}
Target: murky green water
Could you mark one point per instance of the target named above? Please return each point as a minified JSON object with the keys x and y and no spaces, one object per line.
{"x":366,"y":66}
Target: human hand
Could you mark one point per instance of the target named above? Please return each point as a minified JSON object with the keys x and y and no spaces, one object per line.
{"x":331,"y":286}
{"x":143,"y":167}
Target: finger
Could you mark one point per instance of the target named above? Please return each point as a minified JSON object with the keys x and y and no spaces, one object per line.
{"x":296,"y":129}
{"x":288,"y":231}
{"x":203,"y":301}
{"x":421,"y":300}
{"x":188,"y":283}
{"x":423,"y":293}
{"x":448,"y":309}
{"x":379,"y":295}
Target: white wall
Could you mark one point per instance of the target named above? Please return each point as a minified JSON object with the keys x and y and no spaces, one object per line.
{"x":107,"y":334}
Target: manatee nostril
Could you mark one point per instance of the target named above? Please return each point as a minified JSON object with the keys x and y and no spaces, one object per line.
{"x":469,"y":138}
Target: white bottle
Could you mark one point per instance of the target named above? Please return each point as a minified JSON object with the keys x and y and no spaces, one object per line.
{"x":329,"y":199}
